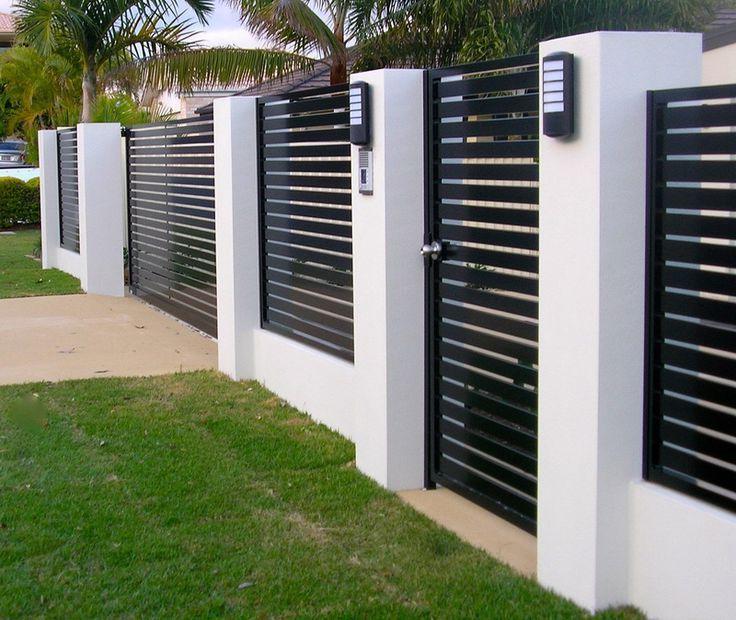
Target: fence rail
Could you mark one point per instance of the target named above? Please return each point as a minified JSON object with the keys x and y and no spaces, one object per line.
{"x":68,"y":189}
{"x":691,"y":290}
{"x":171,"y":210}
{"x":306,"y":218}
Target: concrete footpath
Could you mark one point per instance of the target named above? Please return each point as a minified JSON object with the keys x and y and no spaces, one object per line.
{"x":81,"y":336}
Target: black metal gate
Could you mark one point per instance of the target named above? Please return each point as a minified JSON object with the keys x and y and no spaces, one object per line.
{"x":171,"y":209}
{"x":482,"y":287}
{"x":690,"y":427}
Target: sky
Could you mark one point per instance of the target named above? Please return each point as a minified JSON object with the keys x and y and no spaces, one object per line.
{"x":223,"y":29}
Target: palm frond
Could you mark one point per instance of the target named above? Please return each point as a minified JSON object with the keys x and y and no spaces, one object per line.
{"x":209,"y":67}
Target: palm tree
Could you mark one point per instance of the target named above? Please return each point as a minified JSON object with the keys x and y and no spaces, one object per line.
{"x":426,"y":33}
{"x":309,"y":28}
{"x":144,"y":41}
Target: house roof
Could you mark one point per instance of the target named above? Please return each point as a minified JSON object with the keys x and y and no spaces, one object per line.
{"x":302,"y":79}
{"x":722,"y":31}
{"x":7,"y":22}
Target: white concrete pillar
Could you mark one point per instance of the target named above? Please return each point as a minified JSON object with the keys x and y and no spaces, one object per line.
{"x":236,"y":225}
{"x":48,"y":158}
{"x":591,"y":349}
{"x":388,"y":272}
{"x":101,"y":207}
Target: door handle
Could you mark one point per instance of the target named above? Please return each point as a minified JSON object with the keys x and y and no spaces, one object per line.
{"x":432,"y":250}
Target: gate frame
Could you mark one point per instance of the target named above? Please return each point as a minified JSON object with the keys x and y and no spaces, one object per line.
{"x":431,"y":362}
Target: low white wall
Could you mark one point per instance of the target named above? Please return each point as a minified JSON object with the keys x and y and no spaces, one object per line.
{"x":317,"y":383}
{"x":378,"y":402}
{"x":683,"y":555}
{"x":314,"y":382}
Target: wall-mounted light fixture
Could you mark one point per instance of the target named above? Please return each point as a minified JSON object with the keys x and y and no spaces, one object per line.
{"x":360,"y":133}
{"x":558,"y":109}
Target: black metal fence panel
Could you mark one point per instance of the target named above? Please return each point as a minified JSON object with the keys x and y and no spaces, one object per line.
{"x":171,"y":209}
{"x":482,"y":292}
{"x":68,"y":189}
{"x":690,"y":426}
{"x":306,"y":218}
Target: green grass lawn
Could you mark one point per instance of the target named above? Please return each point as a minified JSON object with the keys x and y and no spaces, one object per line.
{"x":191,"y":495}
{"x":21,"y":276}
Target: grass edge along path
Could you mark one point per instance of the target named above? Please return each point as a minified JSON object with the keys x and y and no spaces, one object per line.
{"x":191,"y":495}
{"x":21,"y":276}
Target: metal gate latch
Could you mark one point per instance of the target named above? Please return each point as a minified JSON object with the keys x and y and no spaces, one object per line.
{"x":433,"y":250}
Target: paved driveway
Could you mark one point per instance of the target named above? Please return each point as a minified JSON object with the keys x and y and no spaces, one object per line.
{"x":80,"y":336}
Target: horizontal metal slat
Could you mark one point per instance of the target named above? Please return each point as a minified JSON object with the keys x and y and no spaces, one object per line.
{"x":315,"y":331}
{"x":695,"y":306}
{"x":319,"y":151}
{"x":699,"y":280}
{"x":491,"y":490}
{"x":696,"y":253}
{"x":709,"y":115}
{"x":698,"y":415}
{"x":701,"y":443}
{"x":328,"y":198}
{"x":490,"y":468}
{"x":314,"y":226}
{"x":489,"y":172}
{"x":309,"y":241}
{"x":494,"y":407}
{"x":296,"y":137}
{"x":476,"y":318}
{"x":500,"y":127}
{"x":291,"y":165}
{"x":344,"y":263}
{"x":700,"y":225}
{"x":481,"y":85}
{"x":338,"y":324}
{"x":493,"y":344}
{"x":509,"y":443}
{"x":330,"y":276}
{"x":697,"y":468}
{"x":489,"y":193}
{"x":698,"y":388}
{"x":698,"y":198}
{"x":493,"y":258}
{"x":488,"y":279}
{"x":702,"y":335}
{"x":490,"y":236}
{"x":511,"y":103}
{"x":514,"y":394}
{"x":706,"y":143}
{"x":322,"y":212}
{"x":522,"y":374}
{"x":314,"y":286}
{"x":697,"y":360}
{"x":315,"y":104}
{"x":312,"y":300}
{"x":330,"y":118}
{"x":499,"y":149}
{"x":302,"y":180}
{"x":490,"y":299}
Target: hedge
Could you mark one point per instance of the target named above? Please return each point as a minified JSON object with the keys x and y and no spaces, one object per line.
{"x":20,"y":202}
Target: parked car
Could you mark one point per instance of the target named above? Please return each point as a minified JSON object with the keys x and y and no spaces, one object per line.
{"x":12,"y":153}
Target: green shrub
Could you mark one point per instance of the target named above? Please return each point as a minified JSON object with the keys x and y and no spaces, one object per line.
{"x":20,"y":202}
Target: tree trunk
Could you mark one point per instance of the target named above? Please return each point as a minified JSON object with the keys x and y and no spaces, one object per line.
{"x":339,"y":68}
{"x":89,"y":94}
